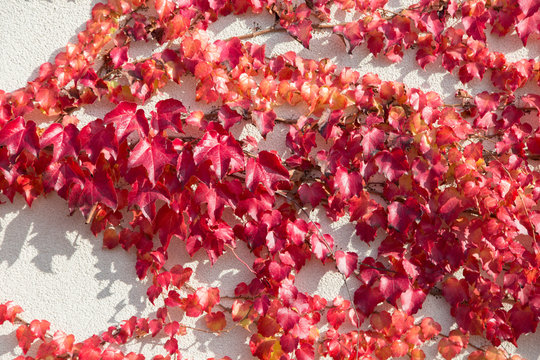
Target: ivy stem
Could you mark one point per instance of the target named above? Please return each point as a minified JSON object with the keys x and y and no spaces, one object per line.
{"x":274,"y":29}
{"x":92,"y":213}
{"x":242,"y":261}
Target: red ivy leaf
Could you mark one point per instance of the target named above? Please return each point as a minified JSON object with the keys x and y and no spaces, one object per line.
{"x":452,"y":345}
{"x":223,"y":151}
{"x":63,"y":342}
{"x":268,"y":170}
{"x":533,"y":144}
{"x":455,"y":291}
{"x":417,"y":354}
{"x":25,"y":338}
{"x":264,"y":120}
{"x":228,"y":117}
{"x":98,"y":139}
{"x":412,"y":300}
{"x":393,"y":286}
{"x":528,"y":7}
{"x":119,"y":56}
{"x":321,"y":246}
{"x":401,"y":216}
{"x":346,"y":262}
{"x":98,"y":189}
{"x":61,"y":176}
{"x":171,"y":345}
{"x":450,"y":204}
{"x":8,"y":312}
{"x":288,"y":342}
{"x":145,"y":195}
{"x":392,"y":164}
{"x":311,"y":194}
{"x":532,"y":100}
{"x":366,"y":298}
{"x":375,"y":42}
{"x":164,"y":8}
{"x":523,"y":320}
{"x":39,"y":328}
{"x":168,"y":223}
{"x":470,"y":71}
{"x":19,"y":134}
{"x":215,"y":321}
{"x":230,"y":51}
{"x":399,"y":348}
{"x":111,"y":239}
{"x":152,"y":155}
{"x":127,"y":119}
{"x":267,"y":326}
{"x":208,"y":297}
{"x":168,"y":115}
{"x":429,"y":328}
{"x":348,"y":183}
{"x":372,"y":141}
{"x":528,"y":26}
{"x":65,"y":140}
{"x":287,"y":318}
{"x":301,"y":31}
{"x":486,"y":102}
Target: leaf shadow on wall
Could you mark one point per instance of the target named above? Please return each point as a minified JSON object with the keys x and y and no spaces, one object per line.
{"x":8,"y":342}
{"x":118,"y":266}
{"x":64,"y":253}
{"x":28,"y":227}
{"x":72,"y":40}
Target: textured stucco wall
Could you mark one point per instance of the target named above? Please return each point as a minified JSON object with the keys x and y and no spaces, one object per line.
{"x":52,"y":265}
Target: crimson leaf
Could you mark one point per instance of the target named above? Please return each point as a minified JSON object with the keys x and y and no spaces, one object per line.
{"x":268,"y":170}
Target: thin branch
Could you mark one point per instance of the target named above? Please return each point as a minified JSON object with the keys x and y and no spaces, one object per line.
{"x":92,"y":213}
{"x":258,"y":33}
{"x":274,"y":29}
{"x":204,"y":330}
{"x":242,"y":261}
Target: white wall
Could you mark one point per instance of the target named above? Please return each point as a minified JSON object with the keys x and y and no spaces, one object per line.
{"x":53,"y":267}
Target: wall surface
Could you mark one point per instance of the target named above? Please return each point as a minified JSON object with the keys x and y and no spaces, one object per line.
{"x":53,"y":266}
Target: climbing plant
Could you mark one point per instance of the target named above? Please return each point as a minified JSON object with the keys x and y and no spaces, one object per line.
{"x":447,"y":193}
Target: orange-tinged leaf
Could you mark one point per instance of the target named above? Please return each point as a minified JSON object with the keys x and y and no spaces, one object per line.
{"x":25,"y":337}
{"x":417,"y":354}
{"x":430,"y":328}
{"x":215,"y":321}
{"x":267,"y":326}
{"x":399,"y":348}
{"x":39,"y":328}
{"x":164,"y":8}
{"x":451,"y":346}
{"x":8,"y":312}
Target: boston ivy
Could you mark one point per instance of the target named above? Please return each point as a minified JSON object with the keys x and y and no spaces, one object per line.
{"x":451,"y":189}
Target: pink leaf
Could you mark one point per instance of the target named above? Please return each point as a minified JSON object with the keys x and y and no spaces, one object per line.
{"x":119,"y":56}
{"x":287,"y":318}
{"x":168,"y":115}
{"x":346,"y":262}
{"x":264,"y":120}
